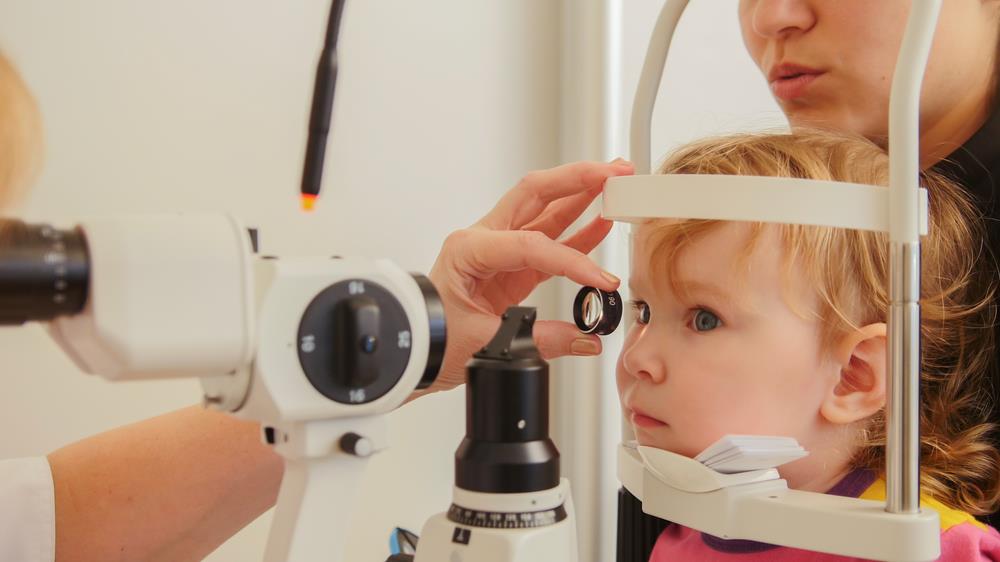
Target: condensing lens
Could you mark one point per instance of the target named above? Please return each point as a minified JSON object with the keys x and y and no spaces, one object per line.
{"x":592,"y":309}
{"x":44,"y":272}
{"x":596,"y":311}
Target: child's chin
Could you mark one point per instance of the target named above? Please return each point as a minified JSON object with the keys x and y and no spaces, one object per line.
{"x":647,"y":441}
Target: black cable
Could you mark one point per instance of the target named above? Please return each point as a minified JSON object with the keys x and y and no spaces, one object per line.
{"x":322,"y":104}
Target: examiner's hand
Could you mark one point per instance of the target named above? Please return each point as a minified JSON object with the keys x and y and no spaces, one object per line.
{"x":496,"y":263}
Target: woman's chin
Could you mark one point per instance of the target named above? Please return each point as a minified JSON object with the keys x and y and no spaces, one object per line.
{"x":826,"y":117}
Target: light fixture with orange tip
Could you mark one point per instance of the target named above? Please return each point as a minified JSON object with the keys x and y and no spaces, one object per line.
{"x":308,"y":202}
{"x":322,"y":109}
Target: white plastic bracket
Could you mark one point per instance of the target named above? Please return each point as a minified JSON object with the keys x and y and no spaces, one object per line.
{"x":764,"y":509}
{"x":752,"y":198}
{"x":320,"y":487}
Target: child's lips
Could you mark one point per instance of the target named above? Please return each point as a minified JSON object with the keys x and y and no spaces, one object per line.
{"x":641,"y":419}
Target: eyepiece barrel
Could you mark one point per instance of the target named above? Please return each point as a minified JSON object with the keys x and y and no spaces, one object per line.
{"x":44,"y":272}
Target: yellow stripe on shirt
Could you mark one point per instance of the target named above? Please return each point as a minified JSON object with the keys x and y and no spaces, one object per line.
{"x":949,"y":517}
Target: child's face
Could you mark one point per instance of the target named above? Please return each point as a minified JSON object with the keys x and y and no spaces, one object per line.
{"x":728,"y":355}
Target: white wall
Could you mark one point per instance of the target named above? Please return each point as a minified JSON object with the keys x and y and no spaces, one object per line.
{"x":710,"y":85}
{"x":195,"y":105}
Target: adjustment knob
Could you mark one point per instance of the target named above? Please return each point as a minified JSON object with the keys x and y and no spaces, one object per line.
{"x":357,"y":445}
{"x":356,"y":327}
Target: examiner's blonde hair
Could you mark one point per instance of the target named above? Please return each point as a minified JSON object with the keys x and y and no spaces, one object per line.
{"x":849,"y":270}
{"x":20,"y":133}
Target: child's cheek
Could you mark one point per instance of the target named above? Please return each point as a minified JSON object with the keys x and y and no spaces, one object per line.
{"x":621,"y":377}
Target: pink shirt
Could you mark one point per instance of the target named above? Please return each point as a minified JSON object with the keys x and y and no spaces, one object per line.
{"x":963,"y":539}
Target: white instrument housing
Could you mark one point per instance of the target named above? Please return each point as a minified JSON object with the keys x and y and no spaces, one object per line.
{"x":170,"y":296}
{"x":185,"y":296}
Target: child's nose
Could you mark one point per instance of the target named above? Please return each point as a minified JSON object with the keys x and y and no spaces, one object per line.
{"x":642,"y":359}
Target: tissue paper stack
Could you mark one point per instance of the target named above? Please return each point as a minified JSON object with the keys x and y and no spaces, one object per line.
{"x":741,"y":453}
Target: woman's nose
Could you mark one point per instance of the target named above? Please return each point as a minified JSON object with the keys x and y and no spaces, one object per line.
{"x":777,"y":19}
{"x":643,"y":360}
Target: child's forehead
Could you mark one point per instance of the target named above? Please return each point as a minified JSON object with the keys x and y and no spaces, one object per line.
{"x":732,"y":257}
{"x":695,"y":244}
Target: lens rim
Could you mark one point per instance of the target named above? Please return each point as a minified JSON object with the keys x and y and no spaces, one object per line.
{"x":610,"y":315}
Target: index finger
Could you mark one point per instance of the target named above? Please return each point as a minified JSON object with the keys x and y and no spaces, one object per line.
{"x":531,"y":196}
{"x":487,"y":252}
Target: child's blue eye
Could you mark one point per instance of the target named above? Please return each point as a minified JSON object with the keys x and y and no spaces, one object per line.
{"x":705,"y":320}
{"x":641,"y":309}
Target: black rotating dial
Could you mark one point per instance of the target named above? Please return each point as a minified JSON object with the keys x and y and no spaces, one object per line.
{"x":354,"y":341}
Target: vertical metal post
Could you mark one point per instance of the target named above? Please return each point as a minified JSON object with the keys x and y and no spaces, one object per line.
{"x":903,"y":403}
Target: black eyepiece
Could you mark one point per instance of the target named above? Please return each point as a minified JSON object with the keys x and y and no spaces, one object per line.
{"x":44,"y":272}
{"x":596,"y":311}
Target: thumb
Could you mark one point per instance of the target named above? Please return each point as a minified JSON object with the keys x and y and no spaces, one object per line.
{"x":558,"y":339}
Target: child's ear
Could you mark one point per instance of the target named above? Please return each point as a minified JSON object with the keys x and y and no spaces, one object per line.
{"x":860,"y":392}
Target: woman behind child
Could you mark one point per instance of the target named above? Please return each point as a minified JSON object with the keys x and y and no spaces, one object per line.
{"x":750,"y":328}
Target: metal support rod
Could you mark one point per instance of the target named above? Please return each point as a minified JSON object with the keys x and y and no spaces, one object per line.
{"x":903,"y":401}
{"x":649,"y":84}
{"x":902,"y":408}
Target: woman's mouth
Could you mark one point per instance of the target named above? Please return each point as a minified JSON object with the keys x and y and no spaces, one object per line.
{"x":790,"y":81}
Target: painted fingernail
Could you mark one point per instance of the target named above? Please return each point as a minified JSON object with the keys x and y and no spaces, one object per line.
{"x":610,"y":278}
{"x":584,"y":346}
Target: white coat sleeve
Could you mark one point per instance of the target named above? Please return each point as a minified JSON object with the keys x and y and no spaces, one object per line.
{"x":27,"y":511}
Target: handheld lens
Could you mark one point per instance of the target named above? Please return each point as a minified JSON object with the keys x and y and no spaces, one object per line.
{"x":596,"y":311}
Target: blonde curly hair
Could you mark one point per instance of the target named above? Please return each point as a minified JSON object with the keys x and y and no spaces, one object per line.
{"x":850,"y":269}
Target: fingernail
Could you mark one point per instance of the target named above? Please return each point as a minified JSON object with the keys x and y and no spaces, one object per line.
{"x":584,"y":346}
{"x":610,"y":278}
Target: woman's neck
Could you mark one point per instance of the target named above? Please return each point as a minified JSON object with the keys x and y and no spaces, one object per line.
{"x":944,"y":135}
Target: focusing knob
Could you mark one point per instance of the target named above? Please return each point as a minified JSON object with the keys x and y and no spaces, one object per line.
{"x":354,"y":444}
{"x":356,"y":328}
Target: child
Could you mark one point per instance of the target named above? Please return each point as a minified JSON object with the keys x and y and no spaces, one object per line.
{"x":772,"y":329}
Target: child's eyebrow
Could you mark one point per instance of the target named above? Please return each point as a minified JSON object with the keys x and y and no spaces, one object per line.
{"x":703,"y":288}
{"x":637,"y":286}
